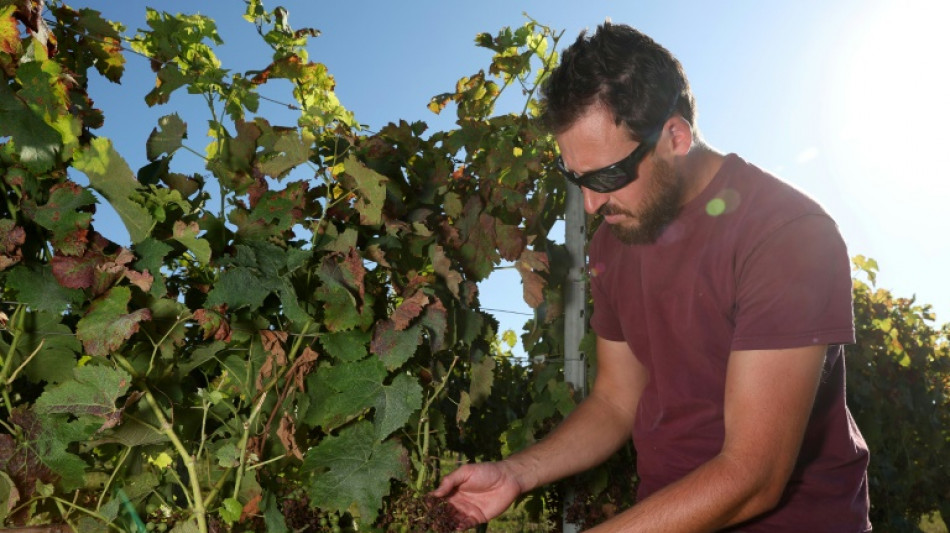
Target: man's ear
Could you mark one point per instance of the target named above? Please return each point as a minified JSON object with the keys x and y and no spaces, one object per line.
{"x":678,"y":135}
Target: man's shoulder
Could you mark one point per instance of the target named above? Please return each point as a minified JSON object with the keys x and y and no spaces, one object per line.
{"x":764,"y":196}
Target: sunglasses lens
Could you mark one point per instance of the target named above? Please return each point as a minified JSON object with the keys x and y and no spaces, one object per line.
{"x":606,"y":180}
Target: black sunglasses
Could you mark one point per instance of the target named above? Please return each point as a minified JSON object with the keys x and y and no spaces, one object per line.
{"x":613,"y":177}
{"x":623,"y":172}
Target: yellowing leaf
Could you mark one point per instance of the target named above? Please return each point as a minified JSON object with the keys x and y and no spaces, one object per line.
{"x":371,"y":188}
{"x":111,"y":176}
{"x":162,"y":460}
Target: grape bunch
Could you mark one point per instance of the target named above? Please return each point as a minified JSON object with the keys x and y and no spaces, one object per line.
{"x":408,"y":513}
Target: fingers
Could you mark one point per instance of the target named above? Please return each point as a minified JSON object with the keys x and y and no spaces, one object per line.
{"x":451,"y":481}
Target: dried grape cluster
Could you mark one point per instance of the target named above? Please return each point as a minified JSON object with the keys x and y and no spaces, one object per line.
{"x":407,"y":513}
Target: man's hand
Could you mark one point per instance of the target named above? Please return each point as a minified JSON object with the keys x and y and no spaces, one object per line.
{"x":479,"y":492}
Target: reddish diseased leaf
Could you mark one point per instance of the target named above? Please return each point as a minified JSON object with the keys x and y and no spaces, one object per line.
{"x":510,"y":239}
{"x":409,"y":309}
{"x":75,"y":272}
{"x":355,"y":271}
{"x":105,"y":276}
{"x":395,"y":347}
{"x":253,"y":507}
{"x":477,"y":230}
{"x":279,"y":209}
{"x":22,"y":463}
{"x":11,"y":238}
{"x":534,"y":260}
{"x":533,"y":283}
{"x":213,"y":324}
{"x":436,"y":321}
{"x":533,"y":288}
{"x":443,"y":267}
{"x":72,"y":243}
{"x":108,"y":324}
{"x":286,"y":435}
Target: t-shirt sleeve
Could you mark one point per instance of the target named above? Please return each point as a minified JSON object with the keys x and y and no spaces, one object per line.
{"x":794,"y":288}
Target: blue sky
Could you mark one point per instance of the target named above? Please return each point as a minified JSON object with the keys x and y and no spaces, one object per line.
{"x":846,"y":100}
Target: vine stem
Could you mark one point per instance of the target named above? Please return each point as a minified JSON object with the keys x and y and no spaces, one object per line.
{"x":118,"y":465}
{"x":239,"y":476}
{"x":197,"y":500}
{"x":7,"y":362}
{"x":61,"y":502}
{"x":422,"y":432}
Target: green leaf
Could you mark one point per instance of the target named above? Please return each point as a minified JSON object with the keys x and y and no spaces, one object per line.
{"x":57,"y":349}
{"x":353,"y":468}
{"x":187,"y":235}
{"x":37,"y":288}
{"x":63,"y":212}
{"x":53,"y":442}
{"x":9,"y":496}
{"x":238,"y":287}
{"x":395,"y":404}
{"x":341,"y":311}
{"x":168,"y":139}
{"x":105,"y":44}
{"x":107,"y":324}
{"x":37,"y":143}
{"x":94,"y":391}
{"x":133,"y":433}
{"x":290,"y":303}
{"x":346,"y":345}
{"x":483,"y":376}
{"x":274,"y":521}
{"x":287,"y":152}
{"x":371,"y":190}
{"x":230,"y":510}
{"x":341,"y":392}
{"x":111,"y":176}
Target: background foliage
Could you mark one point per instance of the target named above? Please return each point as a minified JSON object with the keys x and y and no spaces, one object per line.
{"x":293,"y":339}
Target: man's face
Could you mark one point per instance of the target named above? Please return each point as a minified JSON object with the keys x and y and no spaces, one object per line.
{"x":637,"y":212}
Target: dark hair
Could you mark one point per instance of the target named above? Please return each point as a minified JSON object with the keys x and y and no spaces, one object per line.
{"x":634,"y":77}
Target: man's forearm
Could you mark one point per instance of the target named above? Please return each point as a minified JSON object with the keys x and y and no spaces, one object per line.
{"x":718,"y":494}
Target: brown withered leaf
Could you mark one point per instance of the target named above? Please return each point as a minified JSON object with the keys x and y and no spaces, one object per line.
{"x":302,"y":367}
{"x":276,"y":356}
{"x":285,"y":432}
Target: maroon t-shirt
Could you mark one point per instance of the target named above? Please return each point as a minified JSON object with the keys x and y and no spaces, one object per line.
{"x":750,"y":264}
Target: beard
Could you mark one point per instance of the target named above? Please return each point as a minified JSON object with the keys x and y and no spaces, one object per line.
{"x":661,"y":204}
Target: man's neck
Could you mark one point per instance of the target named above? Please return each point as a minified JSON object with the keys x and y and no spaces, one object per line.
{"x":698,"y":168}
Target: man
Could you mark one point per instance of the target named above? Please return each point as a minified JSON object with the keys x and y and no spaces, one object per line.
{"x":722,"y":299}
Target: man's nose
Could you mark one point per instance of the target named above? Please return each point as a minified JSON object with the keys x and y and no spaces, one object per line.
{"x":593,"y":200}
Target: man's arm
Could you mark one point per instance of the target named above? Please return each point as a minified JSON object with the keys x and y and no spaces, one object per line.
{"x":599,"y":426}
{"x":769,"y":398}
{"x":587,"y":437}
